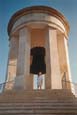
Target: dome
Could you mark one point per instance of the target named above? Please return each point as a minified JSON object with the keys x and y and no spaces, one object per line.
{"x":38,"y":9}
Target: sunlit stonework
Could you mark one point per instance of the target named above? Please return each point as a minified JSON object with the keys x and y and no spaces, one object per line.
{"x":32,"y":27}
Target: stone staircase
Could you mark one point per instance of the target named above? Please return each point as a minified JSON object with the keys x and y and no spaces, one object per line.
{"x":54,"y":102}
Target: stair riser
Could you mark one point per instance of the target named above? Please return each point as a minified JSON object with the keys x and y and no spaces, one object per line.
{"x":39,"y":111}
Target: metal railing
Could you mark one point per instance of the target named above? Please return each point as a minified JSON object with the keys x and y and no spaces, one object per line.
{"x":5,"y":84}
{"x":65,"y":84}
{"x":68,"y":84}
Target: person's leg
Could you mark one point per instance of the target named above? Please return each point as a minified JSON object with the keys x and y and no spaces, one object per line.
{"x":38,"y":86}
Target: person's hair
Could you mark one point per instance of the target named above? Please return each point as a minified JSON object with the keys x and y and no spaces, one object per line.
{"x":39,"y":73}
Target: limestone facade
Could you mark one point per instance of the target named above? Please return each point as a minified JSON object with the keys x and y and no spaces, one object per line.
{"x":33,"y":27}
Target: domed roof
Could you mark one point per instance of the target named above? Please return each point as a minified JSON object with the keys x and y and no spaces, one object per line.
{"x":38,"y":9}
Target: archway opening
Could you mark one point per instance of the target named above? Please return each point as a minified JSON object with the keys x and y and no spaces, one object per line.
{"x":38,"y":64}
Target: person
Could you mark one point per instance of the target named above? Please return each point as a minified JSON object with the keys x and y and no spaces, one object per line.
{"x":39,"y":80}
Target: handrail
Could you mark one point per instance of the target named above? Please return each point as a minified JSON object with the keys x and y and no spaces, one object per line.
{"x":2,"y":85}
{"x":65,"y":84}
{"x":69,"y":82}
{"x":64,"y":79}
{"x":68,"y":85}
{"x":6,"y":82}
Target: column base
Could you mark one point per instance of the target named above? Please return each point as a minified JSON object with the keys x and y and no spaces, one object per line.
{"x":19,"y":82}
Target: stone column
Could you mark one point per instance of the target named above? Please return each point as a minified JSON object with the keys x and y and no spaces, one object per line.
{"x":64,"y":59}
{"x":47,"y":60}
{"x":12,"y":63}
{"x":53,"y":62}
{"x":68,"y":73}
{"x":23,"y":63}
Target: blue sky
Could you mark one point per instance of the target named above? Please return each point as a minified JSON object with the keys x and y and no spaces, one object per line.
{"x":66,"y":7}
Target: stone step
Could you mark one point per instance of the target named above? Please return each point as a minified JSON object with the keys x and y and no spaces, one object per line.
{"x":38,"y":114}
{"x":38,"y":104}
{"x":44,"y":111}
{"x":38,"y":107}
{"x":37,"y":101}
{"x":54,"y":94}
{"x":56,"y":102}
{"x":39,"y":93}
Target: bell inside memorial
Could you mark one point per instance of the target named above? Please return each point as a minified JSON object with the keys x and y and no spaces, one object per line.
{"x":38,"y":60}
